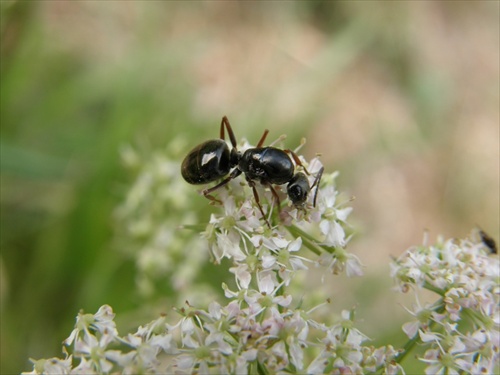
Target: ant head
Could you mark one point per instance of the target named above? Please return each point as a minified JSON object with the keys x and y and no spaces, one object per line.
{"x":298,"y":188}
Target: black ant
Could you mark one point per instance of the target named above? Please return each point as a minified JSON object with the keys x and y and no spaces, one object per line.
{"x":270,"y":166}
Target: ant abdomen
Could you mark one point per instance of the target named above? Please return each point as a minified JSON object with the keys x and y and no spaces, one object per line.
{"x":207,"y":162}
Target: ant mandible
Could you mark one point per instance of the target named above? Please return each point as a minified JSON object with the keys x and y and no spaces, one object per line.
{"x":212,"y":160}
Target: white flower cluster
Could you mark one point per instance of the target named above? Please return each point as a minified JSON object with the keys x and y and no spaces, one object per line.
{"x":249,"y":335}
{"x":148,"y":219}
{"x":241,"y":234}
{"x":461,"y":329}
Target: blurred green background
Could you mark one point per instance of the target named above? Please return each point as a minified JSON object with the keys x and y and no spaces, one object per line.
{"x":401,"y":97}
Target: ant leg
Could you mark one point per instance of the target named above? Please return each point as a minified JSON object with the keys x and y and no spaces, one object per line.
{"x":225,"y":122}
{"x":276,"y":197}
{"x":297,"y":160}
{"x":206,"y":193}
{"x":262,"y":139}
{"x":257,"y":200}
{"x":316,"y":183}
{"x":212,"y":198}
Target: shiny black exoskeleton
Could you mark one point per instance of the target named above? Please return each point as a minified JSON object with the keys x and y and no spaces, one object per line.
{"x":269,"y":166}
{"x":208,"y":162}
{"x":212,"y":159}
{"x":298,"y":188}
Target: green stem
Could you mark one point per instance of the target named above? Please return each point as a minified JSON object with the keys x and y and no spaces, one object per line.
{"x":195,"y":227}
{"x":476,"y":318}
{"x":308,"y":240}
{"x":407,"y":348}
{"x":261,"y":370}
{"x":434,"y":289}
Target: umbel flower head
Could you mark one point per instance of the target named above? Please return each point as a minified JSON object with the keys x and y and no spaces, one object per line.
{"x":250,"y":334}
{"x":461,"y":328}
{"x":159,"y":199}
{"x":240,"y":233}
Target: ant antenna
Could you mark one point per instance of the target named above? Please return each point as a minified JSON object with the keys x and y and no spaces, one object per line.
{"x":262,"y":139}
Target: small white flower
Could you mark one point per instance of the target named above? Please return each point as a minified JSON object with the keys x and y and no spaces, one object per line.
{"x":243,"y":359}
{"x":243,"y":275}
{"x":296,"y":354}
{"x":90,"y":347}
{"x":229,"y":245}
{"x":51,"y":366}
{"x":334,"y":233}
{"x":84,"y":367}
{"x":339,"y":260}
{"x":423,"y":316}
{"x":268,"y":288}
